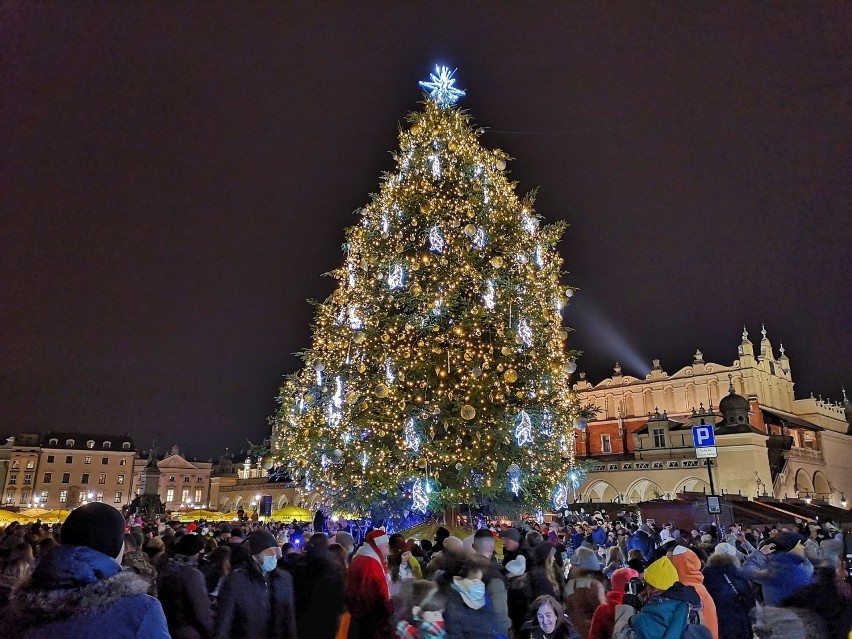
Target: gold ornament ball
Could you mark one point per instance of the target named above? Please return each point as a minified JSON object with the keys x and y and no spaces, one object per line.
{"x":501,"y":165}
{"x":469,"y":230}
{"x":563,"y":335}
{"x":364,"y":406}
{"x":422,"y":462}
{"x":506,"y":351}
{"x":351,"y":396}
{"x":362,"y":367}
{"x":496,"y":261}
{"x":510,"y":376}
{"x":519,"y":394}
{"x":468,"y":412}
{"x":380,"y":391}
{"x":416,"y":289}
{"x":359,"y":337}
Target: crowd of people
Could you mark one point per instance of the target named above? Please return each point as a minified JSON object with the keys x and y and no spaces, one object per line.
{"x":578,"y":577}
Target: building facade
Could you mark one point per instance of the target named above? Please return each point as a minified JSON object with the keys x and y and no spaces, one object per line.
{"x":640,"y":443}
{"x":183,"y":484}
{"x":64,"y":470}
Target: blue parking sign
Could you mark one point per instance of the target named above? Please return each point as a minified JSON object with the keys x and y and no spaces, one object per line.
{"x":703,"y":435}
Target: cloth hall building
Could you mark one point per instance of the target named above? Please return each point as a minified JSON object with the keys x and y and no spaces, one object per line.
{"x":639,"y":446}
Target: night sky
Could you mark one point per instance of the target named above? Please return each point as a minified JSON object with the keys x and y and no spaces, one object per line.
{"x":175,"y":180}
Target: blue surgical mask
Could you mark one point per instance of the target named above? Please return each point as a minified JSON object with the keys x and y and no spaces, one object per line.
{"x":477,"y":590}
{"x":269,"y":563}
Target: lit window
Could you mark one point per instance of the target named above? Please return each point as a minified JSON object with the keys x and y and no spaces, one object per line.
{"x":90,"y":443}
{"x":16,"y":463}
{"x":13,"y":478}
{"x":99,"y":496}
{"x":117,"y":499}
{"x":30,"y":464}
{"x":44,"y":496}
{"x":63,"y":496}
{"x":10,"y":496}
{"x":87,"y":460}
{"x":170,"y":494}
{"x":28,"y":478}
{"x":119,"y":479}
{"x":25,"y":497}
{"x":198,"y":496}
{"x":606,"y":445}
{"x":122,"y":461}
{"x":102,"y":478}
{"x":184,"y":495}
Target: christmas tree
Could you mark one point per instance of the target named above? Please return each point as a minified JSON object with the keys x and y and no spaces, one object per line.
{"x":439,"y":372}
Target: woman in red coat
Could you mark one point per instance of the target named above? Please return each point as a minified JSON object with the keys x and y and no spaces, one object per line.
{"x":367,"y":590}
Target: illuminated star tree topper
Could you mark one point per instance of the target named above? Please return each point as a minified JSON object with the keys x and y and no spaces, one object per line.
{"x":440,"y":87}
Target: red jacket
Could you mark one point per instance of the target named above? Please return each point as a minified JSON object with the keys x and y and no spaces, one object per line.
{"x":603,"y":621}
{"x":368,"y":596}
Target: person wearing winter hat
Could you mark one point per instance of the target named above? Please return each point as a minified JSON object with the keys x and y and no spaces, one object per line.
{"x":603,"y":621}
{"x":688,"y":567}
{"x":731,"y":592}
{"x":367,"y":591}
{"x":346,"y":540}
{"x":78,"y":589}
{"x":643,"y":541}
{"x":183,"y":591}
{"x":665,"y":608}
{"x":256,"y":599}
{"x":780,"y":567}
{"x":584,"y":590}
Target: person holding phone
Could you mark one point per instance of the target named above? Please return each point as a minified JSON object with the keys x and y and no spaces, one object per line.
{"x":780,"y":567}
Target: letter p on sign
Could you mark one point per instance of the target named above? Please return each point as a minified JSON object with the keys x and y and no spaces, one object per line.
{"x":702,"y":435}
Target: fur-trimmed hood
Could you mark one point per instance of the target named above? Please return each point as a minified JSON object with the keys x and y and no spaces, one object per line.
{"x":69,"y":581}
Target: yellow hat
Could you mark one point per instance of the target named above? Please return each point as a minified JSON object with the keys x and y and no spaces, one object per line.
{"x":661,"y":574}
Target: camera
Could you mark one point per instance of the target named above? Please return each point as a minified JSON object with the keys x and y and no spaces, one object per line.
{"x":635,"y":586}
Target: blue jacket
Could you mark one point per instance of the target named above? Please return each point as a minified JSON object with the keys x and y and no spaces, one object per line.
{"x":644,"y":543}
{"x":78,"y":592}
{"x":733,"y":607}
{"x":780,"y":574}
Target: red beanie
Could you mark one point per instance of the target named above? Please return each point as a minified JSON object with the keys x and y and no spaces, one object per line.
{"x":621,"y":577}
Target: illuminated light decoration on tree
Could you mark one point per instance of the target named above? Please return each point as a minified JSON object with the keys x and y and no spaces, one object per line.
{"x":396,"y":278}
{"x":514,"y":473}
{"x":319,"y":368}
{"x":460,"y":368}
{"x":390,"y":376}
{"x":525,"y":333}
{"x":479,"y":239}
{"x":488,"y":296}
{"x":523,"y":429}
{"x":436,"y":240}
{"x":435,"y":160}
{"x":420,"y":496}
{"x":529,"y":222}
{"x":560,"y":496}
{"x":441,"y":87}
{"x":546,"y":423}
{"x":412,"y":439}
{"x":324,"y":461}
{"x":537,"y":257}
{"x":539,"y":515}
{"x":354,"y":320}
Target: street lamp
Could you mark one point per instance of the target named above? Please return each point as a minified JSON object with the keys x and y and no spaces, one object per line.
{"x":843,"y":500}
{"x":807,"y":498}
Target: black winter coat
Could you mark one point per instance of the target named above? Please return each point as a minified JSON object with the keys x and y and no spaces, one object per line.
{"x":183,"y":595}
{"x":253,"y":605}
{"x":318,"y":588}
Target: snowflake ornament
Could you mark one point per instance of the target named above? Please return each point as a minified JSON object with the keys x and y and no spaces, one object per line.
{"x":420,"y":496}
{"x":441,"y":87}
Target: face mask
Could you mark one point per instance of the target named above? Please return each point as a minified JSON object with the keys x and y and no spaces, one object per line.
{"x":269,"y":563}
